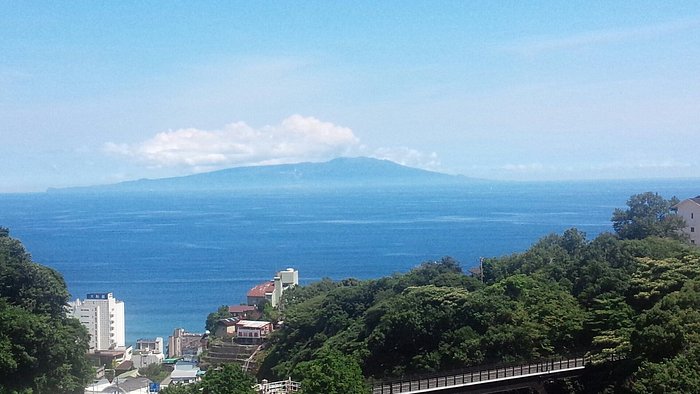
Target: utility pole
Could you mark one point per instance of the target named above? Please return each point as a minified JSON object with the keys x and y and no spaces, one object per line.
{"x":481,"y":268}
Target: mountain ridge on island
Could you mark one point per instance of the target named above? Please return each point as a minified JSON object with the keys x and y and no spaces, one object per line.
{"x":339,"y":172}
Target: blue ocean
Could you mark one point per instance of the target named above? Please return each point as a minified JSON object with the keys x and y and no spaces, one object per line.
{"x":173,"y":258}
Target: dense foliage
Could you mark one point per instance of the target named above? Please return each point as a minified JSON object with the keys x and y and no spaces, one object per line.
{"x":331,"y":373}
{"x":225,"y":379}
{"x":41,"y":350}
{"x":155,"y":372}
{"x":616,"y":294}
{"x":648,"y":214}
{"x":635,"y":293}
{"x":221,"y":313}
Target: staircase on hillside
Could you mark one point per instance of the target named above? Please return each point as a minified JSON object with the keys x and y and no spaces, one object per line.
{"x":224,"y":353}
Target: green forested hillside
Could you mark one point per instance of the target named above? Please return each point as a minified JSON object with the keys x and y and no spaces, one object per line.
{"x":566,"y":294}
{"x":41,"y":350}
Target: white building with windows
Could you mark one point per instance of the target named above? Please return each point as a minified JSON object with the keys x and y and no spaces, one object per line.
{"x":253,"y":331}
{"x":689,"y":210}
{"x":272,"y":291}
{"x":148,"y":351}
{"x":150,"y":345}
{"x":103,"y":316}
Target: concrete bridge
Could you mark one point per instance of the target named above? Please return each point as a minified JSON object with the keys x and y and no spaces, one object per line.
{"x":491,"y":379}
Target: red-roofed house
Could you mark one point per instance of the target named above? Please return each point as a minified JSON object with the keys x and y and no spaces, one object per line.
{"x":261,"y":293}
{"x":272,"y":291}
{"x":244,"y":312}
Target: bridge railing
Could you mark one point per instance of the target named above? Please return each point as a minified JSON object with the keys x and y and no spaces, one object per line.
{"x":478,"y":374}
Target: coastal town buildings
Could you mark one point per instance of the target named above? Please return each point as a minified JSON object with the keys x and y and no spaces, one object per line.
{"x":261,"y":293}
{"x":148,"y":351}
{"x":226,"y":327}
{"x":128,"y":385}
{"x":103,"y":316}
{"x":183,"y":343}
{"x":253,"y":331}
{"x":115,"y":356}
{"x":183,"y":372}
{"x":242,"y":311}
{"x":272,"y":291}
{"x":689,"y":210}
{"x":150,"y":345}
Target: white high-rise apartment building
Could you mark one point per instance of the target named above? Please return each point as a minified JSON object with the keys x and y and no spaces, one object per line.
{"x":103,"y":316}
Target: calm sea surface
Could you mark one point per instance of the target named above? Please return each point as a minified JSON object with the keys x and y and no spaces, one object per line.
{"x":173,"y":258}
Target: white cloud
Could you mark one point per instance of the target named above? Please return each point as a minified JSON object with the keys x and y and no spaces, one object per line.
{"x":527,"y":167}
{"x":296,"y":138}
{"x":537,"y":45}
{"x":630,"y":169}
{"x":616,"y":166}
{"x":409,"y":157}
{"x":644,"y":165}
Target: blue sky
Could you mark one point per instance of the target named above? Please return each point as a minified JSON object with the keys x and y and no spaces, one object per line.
{"x":100,"y":92}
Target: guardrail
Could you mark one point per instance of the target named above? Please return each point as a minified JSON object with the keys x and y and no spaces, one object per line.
{"x":480,"y":375}
{"x":281,"y":387}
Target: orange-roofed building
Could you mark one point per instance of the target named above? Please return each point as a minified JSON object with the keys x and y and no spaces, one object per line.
{"x":261,"y":293}
{"x":272,"y":291}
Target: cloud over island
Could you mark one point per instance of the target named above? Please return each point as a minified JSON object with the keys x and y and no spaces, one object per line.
{"x":296,"y":138}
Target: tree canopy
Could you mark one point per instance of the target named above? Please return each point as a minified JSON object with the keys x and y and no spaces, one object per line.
{"x":635,"y":294}
{"x":221,"y":313}
{"x":41,"y":350}
{"x":224,"y":379}
{"x":631,"y":294}
{"x":332,"y":373}
{"x":648,"y":214}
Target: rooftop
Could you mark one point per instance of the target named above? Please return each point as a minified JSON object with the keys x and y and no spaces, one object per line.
{"x":112,"y":353}
{"x":252,"y":323}
{"x":231,"y":321}
{"x":262,"y":289}
{"x":181,"y":373}
{"x":693,"y":199}
{"x":127,"y":385}
{"x":241,"y":308}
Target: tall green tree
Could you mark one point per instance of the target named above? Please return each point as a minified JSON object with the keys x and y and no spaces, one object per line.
{"x":41,"y":350}
{"x":630,"y":294}
{"x":667,"y":342}
{"x":212,"y":318}
{"x":331,"y":373}
{"x":181,"y":389}
{"x":156,"y":372}
{"x":654,"y":279}
{"x":227,"y":379}
{"x":648,"y":214}
{"x":610,"y":325}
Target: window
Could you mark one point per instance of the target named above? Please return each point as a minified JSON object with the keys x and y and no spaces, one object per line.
{"x":692,"y":229}
{"x":691,"y":215}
